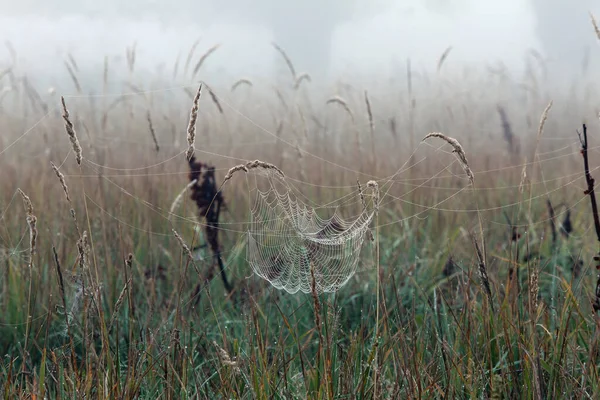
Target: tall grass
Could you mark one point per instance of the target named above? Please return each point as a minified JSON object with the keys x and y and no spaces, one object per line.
{"x":122,"y":301}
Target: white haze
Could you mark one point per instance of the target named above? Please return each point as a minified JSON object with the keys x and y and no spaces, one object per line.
{"x":480,"y":32}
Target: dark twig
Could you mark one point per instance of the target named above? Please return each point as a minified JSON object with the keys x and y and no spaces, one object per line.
{"x":590,"y":191}
{"x":589,"y":180}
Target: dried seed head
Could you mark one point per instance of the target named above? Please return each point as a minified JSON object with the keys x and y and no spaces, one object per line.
{"x":339,"y":100}
{"x":184,"y":245}
{"x":71,"y":132}
{"x":543,"y":119}
{"x":374,"y":186}
{"x":32,"y":224}
{"x":533,"y":289}
{"x":240,"y":82}
{"x":224,"y":357}
{"x":287,"y":60}
{"x":83,"y":249}
{"x":302,"y":77}
{"x":63,"y":183}
{"x":191,"y":130}
{"x":595,"y":24}
{"x":458,"y":150}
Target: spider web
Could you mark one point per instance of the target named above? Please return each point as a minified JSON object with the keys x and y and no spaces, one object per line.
{"x":288,"y":242}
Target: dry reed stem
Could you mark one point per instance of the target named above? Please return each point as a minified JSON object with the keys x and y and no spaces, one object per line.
{"x":177,"y":202}
{"x":32,"y":224}
{"x":239,"y":82}
{"x":71,"y":132}
{"x":152,"y":132}
{"x":203,"y":58}
{"x":191,"y":130}
{"x":443,"y":58}
{"x":287,"y":60}
{"x":339,"y":100}
{"x":458,"y":150}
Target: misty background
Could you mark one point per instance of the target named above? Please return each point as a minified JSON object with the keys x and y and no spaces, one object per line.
{"x":332,"y":39}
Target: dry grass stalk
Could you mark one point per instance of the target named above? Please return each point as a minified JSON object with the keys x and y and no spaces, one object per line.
{"x":191,"y":130}
{"x":130,"y":53}
{"x":458,"y":150}
{"x":190,"y":55}
{"x":543,"y":119}
{"x":203,"y":58}
{"x":256,"y":164}
{"x":152,"y":132}
{"x":71,"y":132}
{"x":215,"y":100}
{"x":287,"y":60}
{"x":184,"y":246}
{"x":523,"y":176}
{"x":105,"y":73}
{"x":83,"y":249}
{"x":302,"y":77}
{"x":73,"y":77}
{"x":72,"y":61}
{"x":188,"y":252}
{"x":65,"y":188}
{"x":362,"y":195}
{"x":339,"y":100}
{"x":32,"y":223}
{"x":483,"y":270}
{"x":509,"y":136}
{"x":595,"y":24}
{"x":371,"y":126}
{"x":369,"y":113}
{"x":119,"y":303}
{"x":240,"y":82}
{"x":177,"y":202}
{"x":443,"y":58}
{"x":533,"y":289}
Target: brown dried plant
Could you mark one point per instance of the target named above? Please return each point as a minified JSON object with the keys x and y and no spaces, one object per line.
{"x":71,"y":132}
{"x":191,"y":130}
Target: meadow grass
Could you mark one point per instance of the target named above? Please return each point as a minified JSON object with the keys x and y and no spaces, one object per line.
{"x":485,"y":268}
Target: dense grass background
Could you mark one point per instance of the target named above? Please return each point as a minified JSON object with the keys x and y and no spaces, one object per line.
{"x":154,"y":326}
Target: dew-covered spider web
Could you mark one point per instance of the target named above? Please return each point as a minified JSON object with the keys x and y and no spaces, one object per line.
{"x":288,"y":242}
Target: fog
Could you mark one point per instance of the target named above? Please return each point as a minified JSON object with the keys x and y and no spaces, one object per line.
{"x":369,"y":39}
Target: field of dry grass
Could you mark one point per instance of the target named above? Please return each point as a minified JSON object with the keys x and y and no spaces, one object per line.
{"x":482,"y":289}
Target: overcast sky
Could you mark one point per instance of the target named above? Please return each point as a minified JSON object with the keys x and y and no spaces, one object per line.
{"x":367,"y":40}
